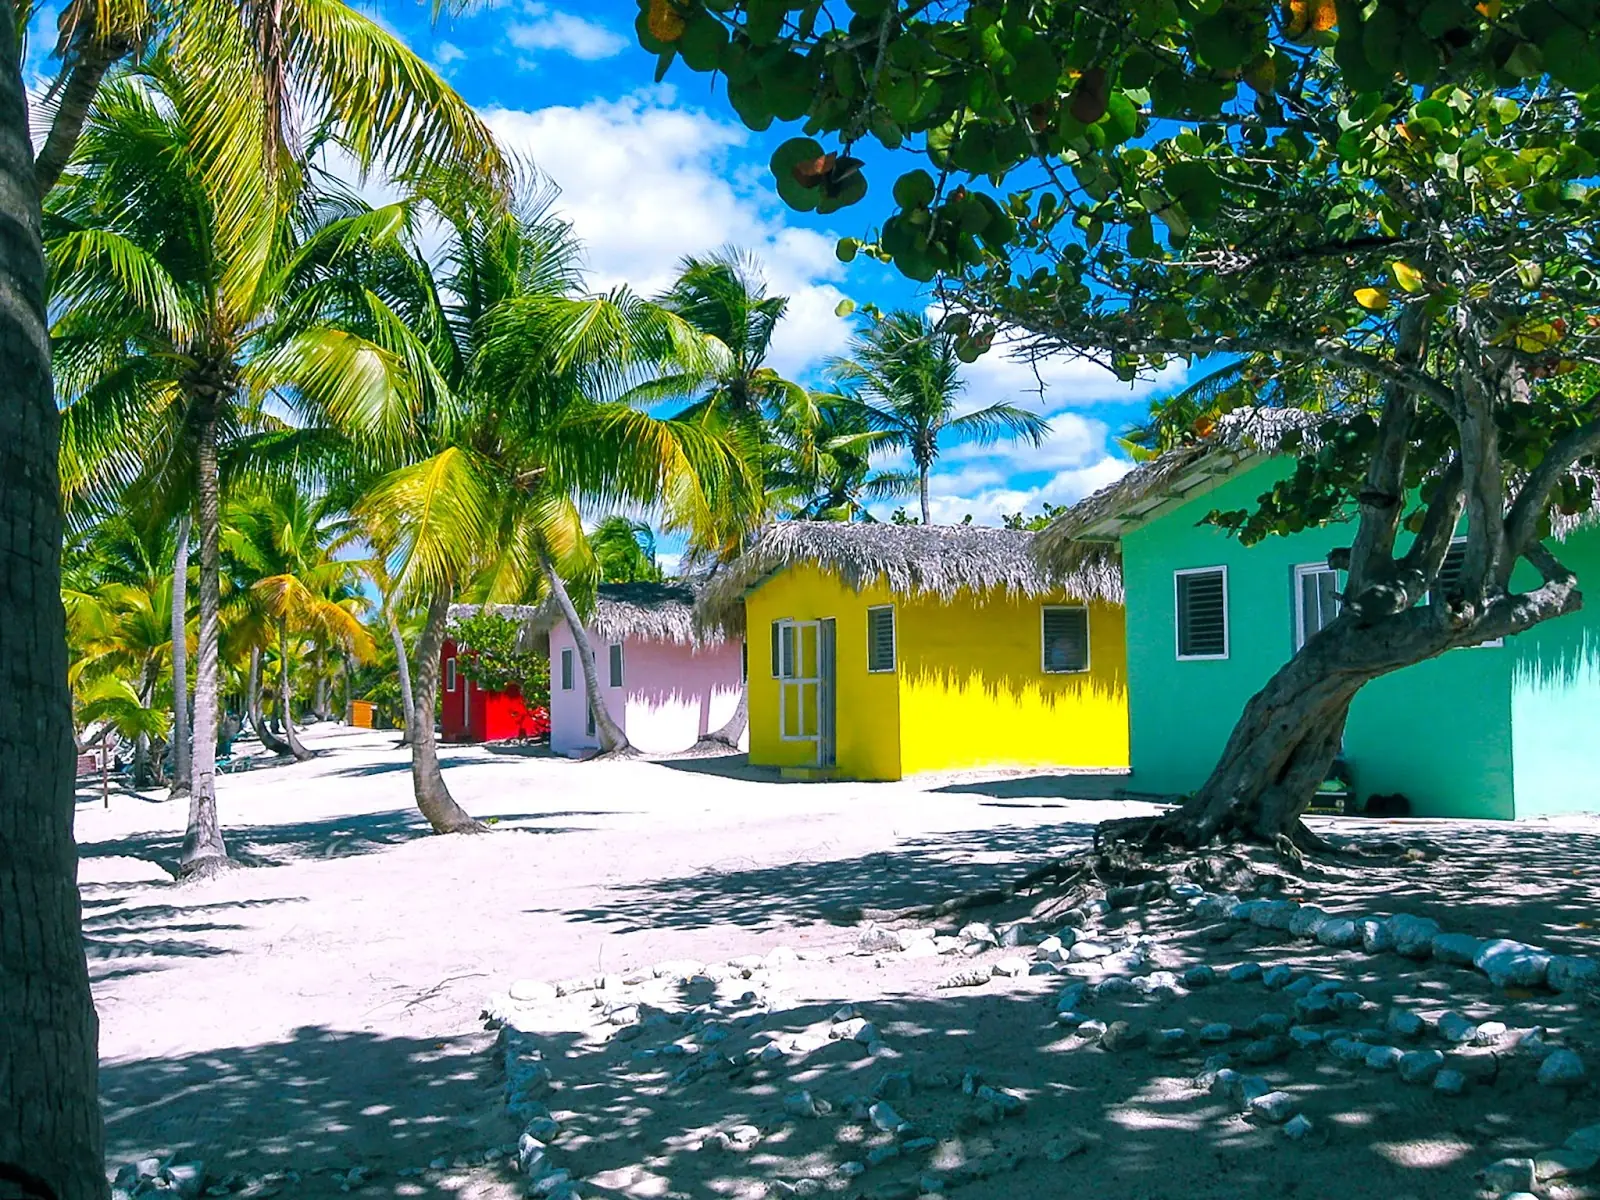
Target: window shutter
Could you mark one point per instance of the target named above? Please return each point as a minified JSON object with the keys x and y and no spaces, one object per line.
{"x":1066,"y":639}
{"x":616,"y":666}
{"x":566,"y":670}
{"x":880,"y":639}
{"x":1202,"y":615}
{"x":1449,"y":581}
{"x":777,"y":649}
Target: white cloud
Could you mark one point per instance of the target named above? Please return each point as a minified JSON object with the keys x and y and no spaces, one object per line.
{"x":1064,"y":381}
{"x":987,"y":505}
{"x":645,"y":183}
{"x":445,"y":53}
{"x":551,"y":29}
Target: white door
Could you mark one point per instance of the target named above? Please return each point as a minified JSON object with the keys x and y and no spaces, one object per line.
{"x":805,"y":686}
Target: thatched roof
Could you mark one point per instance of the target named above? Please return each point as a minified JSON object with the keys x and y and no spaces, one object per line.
{"x":1086,"y":535}
{"x":656,"y":612}
{"x":930,"y":560}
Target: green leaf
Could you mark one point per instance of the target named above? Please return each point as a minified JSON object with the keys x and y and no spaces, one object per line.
{"x":914,"y":189}
{"x":844,"y":308}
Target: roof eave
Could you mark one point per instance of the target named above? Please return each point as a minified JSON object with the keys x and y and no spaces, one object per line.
{"x":1206,"y":475}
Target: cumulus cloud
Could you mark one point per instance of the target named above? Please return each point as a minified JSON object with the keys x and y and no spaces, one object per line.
{"x":547,"y":28}
{"x":950,"y":502}
{"x":445,"y":53}
{"x":646,"y":182}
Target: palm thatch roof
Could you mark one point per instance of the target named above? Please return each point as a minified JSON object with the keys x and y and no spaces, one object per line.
{"x":1085,"y":537}
{"x":655,"y":612}
{"x":928,"y":560}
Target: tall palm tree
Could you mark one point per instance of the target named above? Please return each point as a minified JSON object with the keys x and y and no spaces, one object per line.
{"x":53,"y":1138}
{"x":823,"y":468}
{"x":626,"y":550}
{"x":176,"y":326}
{"x":904,"y":377}
{"x":284,"y":545}
{"x":491,"y":502}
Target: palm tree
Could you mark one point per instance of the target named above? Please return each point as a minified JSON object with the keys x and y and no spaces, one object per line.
{"x":904,"y":377}
{"x":284,"y":547}
{"x":176,"y":326}
{"x":625,"y":550}
{"x":490,"y":504}
{"x":823,"y":470}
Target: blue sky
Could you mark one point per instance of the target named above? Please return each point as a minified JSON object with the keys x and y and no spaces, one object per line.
{"x":651,"y":172}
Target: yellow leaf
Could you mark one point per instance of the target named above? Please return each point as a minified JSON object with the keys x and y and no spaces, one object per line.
{"x":1407,"y":276}
{"x":1372,"y":299}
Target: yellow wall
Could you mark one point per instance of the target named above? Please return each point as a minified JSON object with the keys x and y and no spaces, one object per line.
{"x":969,"y":689}
{"x":974,"y":692}
{"x":867,"y":706}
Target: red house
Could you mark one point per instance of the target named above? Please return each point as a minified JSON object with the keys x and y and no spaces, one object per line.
{"x":467,"y":713}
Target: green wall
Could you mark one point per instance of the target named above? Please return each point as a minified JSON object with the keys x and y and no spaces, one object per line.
{"x":1555,"y":699}
{"x":1451,"y":759}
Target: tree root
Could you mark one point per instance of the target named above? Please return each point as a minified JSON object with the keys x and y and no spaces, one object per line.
{"x":210,"y":867}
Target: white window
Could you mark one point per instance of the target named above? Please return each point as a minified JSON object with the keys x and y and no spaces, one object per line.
{"x":1449,"y":579}
{"x":1064,"y":633}
{"x":1316,"y":600}
{"x":616,"y":666}
{"x":880,"y":638}
{"x":566,"y":670}
{"x":784,"y":665}
{"x":450,"y":673}
{"x":1201,"y":596}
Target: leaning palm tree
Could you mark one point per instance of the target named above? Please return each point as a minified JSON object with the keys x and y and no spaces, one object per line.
{"x":491,"y":502}
{"x":177,"y":329}
{"x":904,"y":378}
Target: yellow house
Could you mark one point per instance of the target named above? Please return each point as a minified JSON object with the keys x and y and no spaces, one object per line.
{"x":877,"y":651}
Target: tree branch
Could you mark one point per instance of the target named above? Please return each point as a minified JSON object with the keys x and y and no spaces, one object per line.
{"x":1534,"y":497}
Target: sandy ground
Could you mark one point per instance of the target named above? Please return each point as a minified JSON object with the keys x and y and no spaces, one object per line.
{"x":321,"y":1011}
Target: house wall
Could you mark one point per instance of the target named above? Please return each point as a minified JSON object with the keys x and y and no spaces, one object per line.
{"x":973,"y":690}
{"x":1555,"y":698}
{"x":676,"y":693}
{"x":670,"y":693}
{"x":867,"y":705}
{"x":1450,"y":760}
{"x":454,"y":718}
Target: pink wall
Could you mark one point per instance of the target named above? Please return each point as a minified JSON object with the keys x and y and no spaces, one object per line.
{"x":670,"y":694}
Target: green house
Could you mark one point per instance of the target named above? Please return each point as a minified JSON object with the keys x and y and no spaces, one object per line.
{"x":1506,"y":730}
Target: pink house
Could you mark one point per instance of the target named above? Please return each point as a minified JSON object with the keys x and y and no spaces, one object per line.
{"x":665,"y":682}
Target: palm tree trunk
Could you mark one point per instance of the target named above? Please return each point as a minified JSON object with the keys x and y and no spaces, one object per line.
{"x":433,"y":798}
{"x":204,"y":852}
{"x":180,"y":663}
{"x":319,"y":703}
{"x":94,"y":59}
{"x":613,"y":741}
{"x":922,"y":491}
{"x":51,"y":1137}
{"x":408,"y":698}
{"x":269,"y":740}
{"x":732,"y":729}
{"x":286,"y":700}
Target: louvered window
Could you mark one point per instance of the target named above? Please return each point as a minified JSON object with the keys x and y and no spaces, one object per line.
{"x":1066,"y":640}
{"x":880,"y":639}
{"x":1448,"y":582}
{"x":566,"y":670}
{"x":616,"y":666}
{"x":1202,"y":602}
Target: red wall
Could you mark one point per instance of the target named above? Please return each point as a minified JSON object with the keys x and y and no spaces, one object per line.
{"x":470,"y":714}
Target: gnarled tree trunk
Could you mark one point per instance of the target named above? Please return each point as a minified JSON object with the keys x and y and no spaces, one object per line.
{"x":204,"y":852}
{"x":181,"y":754}
{"x":51,"y":1134}
{"x":613,"y":741}
{"x":433,"y":798}
{"x":408,"y":699}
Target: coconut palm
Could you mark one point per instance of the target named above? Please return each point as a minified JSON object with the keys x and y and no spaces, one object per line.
{"x":176,"y":328}
{"x":626,"y":550}
{"x":904,"y":379}
{"x":490,"y":505}
{"x":284,"y":547}
{"x":823,"y":468}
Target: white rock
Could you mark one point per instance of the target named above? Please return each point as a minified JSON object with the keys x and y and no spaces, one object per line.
{"x":885,"y":1118}
{"x":977,"y":931}
{"x":1458,"y":949}
{"x":1297,"y":1128}
{"x":1338,"y":933}
{"x":1384,"y":1058}
{"x":1413,"y":936}
{"x":1307,"y":920}
{"x":1087,"y":951}
{"x":781,"y":956}
{"x":1509,"y":1175}
{"x":1376,"y":937}
{"x":1275,"y":1107}
{"x":1569,"y":973}
{"x":1512,"y":964}
{"x":1456,"y":1029}
{"x":1562,"y":1069}
{"x":1564,"y":1161}
{"x":1274,"y":914}
{"x":1010,"y":968}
